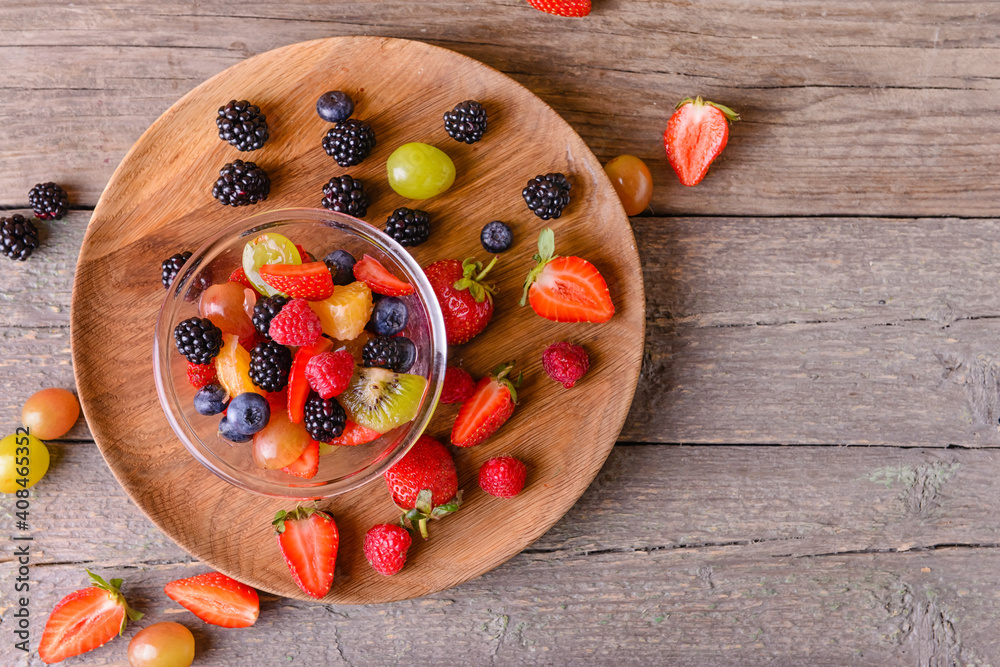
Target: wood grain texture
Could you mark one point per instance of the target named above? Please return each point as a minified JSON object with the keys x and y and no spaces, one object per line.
{"x":915,"y":79}
{"x":919,"y":367}
{"x":147,"y":211}
{"x":878,"y":555}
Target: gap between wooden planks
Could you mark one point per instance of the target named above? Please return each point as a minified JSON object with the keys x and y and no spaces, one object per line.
{"x":759,"y":330}
{"x":832,"y":556}
{"x":851,"y":108}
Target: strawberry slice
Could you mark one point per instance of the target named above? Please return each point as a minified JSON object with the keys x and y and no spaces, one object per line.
{"x":378,"y":278}
{"x":85,"y":620}
{"x":307,"y":465}
{"x":216,"y":599}
{"x":566,"y":289}
{"x":304,"y":254}
{"x":240,"y":276}
{"x":311,"y":281}
{"x":696,"y":134}
{"x":354,"y":434}
{"x":308,"y":540}
{"x":298,"y":385}
{"x":489,"y":407}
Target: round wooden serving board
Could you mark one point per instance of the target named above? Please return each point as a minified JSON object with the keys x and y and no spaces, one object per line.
{"x":159,"y":202}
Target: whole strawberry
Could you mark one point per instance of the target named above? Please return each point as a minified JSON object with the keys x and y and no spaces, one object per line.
{"x":424,"y":483}
{"x":573,"y":8}
{"x":458,"y":386}
{"x":696,"y":134}
{"x":487,"y":409}
{"x":385,"y":548}
{"x":466,"y":303}
{"x":565,"y":363}
{"x":503,"y":476}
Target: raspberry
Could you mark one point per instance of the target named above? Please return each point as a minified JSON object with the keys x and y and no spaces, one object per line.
{"x":200,"y":375}
{"x":386,"y":546}
{"x":329,"y":373}
{"x":565,"y":362}
{"x":503,"y":476}
{"x":458,"y":385}
{"x":296,"y":324}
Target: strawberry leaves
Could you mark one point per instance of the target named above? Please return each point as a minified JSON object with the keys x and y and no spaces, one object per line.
{"x":114,"y":590}
{"x":424,"y":511}
{"x":546,"y":253}
{"x":472,"y":275}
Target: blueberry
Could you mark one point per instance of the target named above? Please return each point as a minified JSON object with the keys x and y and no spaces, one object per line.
{"x":249,"y":413}
{"x":407,"y":354}
{"x":335,"y":106}
{"x":227,"y":431}
{"x":390,"y":316}
{"x":341,"y":264}
{"x":496,"y":237}
{"x":210,"y":400}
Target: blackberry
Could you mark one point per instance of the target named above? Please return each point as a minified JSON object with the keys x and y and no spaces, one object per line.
{"x":324,"y":419}
{"x":171,"y":267}
{"x":349,"y":142}
{"x":466,"y":122}
{"x":49,"y":201}
{"x":270,"y":364}
{"x":344,"y":194}
{"x":496,"y":237}
{"x":198,"y":340}
{"x":264,"y":311}
{"x":18,"y":237}
{"x":381,"y":351}
{"x":242,"y":124}
{"x":241,"y":183}
{"x":547,"y":195}
{"x":408,"y":227}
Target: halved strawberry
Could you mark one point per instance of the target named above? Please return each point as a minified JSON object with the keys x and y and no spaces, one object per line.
{"x":308,"y":539}
{"x":378,"y":278}
{"x":566,"y":289}
{"x":696,"y":134}
{"x":216,"y":599}
{"x":298,"y":384}
{"x":354,"y":434}
{"x":85,"y":619}
{"x":307,"y":465}
{"x":489,"y":407}
{"x":311,"y":281}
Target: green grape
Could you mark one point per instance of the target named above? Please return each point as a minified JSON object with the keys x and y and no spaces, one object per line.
{"x":22,"y":457}
{"x":420,"y":171}
{"x":268,"y":248}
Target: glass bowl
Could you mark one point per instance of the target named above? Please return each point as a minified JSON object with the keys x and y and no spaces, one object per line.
{"x":319,"y":231}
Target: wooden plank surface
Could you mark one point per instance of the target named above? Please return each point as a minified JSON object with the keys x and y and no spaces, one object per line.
{"x":769,"y":321}
{"x":915,"y":79}
{"x":891,"y":321}
{"x":713,"y":560}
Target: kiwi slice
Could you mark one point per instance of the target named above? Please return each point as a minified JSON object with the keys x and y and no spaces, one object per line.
{"x":381,"y":400}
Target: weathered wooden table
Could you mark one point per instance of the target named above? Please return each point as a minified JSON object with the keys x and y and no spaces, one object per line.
{"x":831,"y":285}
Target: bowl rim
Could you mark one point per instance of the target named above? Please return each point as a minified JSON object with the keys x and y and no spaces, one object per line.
{"x":163,"y":347}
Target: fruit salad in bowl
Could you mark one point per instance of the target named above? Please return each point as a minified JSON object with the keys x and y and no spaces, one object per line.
{"x":299,"y":353}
